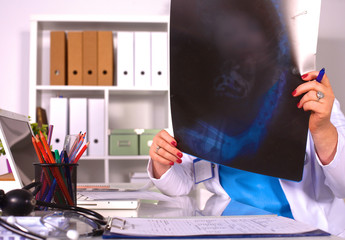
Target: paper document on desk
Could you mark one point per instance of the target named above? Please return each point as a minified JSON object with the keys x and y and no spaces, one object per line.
{"x":147,"y":195}
{"x":253,"y":226}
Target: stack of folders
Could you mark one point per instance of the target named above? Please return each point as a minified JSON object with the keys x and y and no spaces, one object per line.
{"x":87,"y":58}
{"x":82,"y":58}
{"x":142,"y":59}
{"x":72,"y":115}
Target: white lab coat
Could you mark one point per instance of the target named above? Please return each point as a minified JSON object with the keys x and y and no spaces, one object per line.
{"x":317,"y":199}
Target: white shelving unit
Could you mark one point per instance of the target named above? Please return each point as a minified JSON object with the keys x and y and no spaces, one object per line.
{"x":134,"y":107}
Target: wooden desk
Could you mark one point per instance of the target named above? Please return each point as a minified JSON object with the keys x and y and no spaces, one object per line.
{"x":7,"y":177}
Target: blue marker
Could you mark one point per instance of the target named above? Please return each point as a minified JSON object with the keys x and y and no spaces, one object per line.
{"x":320,"y":76}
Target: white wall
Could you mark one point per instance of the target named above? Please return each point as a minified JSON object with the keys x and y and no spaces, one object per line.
{"x":331,"y":45}
{"x":14,"y":40}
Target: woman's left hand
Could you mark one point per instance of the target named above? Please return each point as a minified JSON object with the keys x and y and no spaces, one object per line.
{"x":324,"y":133}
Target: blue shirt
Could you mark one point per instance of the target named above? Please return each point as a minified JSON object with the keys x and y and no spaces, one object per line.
{"x":260,"y":191}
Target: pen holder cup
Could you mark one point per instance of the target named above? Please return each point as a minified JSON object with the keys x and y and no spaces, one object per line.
{"x":59,"y":182}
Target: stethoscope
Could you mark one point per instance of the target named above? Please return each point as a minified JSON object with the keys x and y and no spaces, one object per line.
{"x":96,"y":225}
{"x":21,"y":202}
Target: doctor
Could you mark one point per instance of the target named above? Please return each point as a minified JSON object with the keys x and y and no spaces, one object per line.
{"x":317,"y":199}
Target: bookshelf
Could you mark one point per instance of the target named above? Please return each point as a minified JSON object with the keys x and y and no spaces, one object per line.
{"x":125,"y":107}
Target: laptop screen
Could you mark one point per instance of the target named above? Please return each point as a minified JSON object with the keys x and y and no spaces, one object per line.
{"x":16,"y":138}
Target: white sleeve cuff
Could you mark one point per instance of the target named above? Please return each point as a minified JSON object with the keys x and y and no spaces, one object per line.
{"x":177,"y":181}
{"x":334,"y":171}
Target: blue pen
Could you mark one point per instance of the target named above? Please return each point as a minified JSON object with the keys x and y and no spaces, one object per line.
{"x":51,"y":192}
{"x":45,"y":192}
{"x":320,"y":76}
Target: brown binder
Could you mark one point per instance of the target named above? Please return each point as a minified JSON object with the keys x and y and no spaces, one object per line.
{"x":90,"y":67}
{"x":74,"y":58}
{"x":57,"y":58}
{"x":105,"y":58}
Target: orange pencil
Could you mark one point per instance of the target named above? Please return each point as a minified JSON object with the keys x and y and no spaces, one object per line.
{"x":81,"y":152}
{"x":41,"y":148}
{"x":56,"y":171}
{"x":39,"y":155}
{"x":47,"y":148}
{"x":45,"y":156}
{"x":46,"y":173}
{"x":34,"y":141}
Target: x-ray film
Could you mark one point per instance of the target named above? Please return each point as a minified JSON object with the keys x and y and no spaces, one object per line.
{"x":234,"y":65}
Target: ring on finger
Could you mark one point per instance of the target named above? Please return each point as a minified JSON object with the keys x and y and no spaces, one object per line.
{"x":319,"y":95}
{"x":157,"y":148}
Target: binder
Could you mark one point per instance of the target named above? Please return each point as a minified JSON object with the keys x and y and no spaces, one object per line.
{"x":125,"y":59}
{"x":57,"y":58}
{"x":142,"y":59}
{"x":105,"y":58}
{"x":74,"y":58}
{"x":90,"y":57}
{"x":159,"y":59}
{"x":96,"y":127}
{"x":58,"y":117}
{"x":78,"y":116}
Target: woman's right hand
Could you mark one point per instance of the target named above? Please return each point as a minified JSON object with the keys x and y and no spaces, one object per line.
{"x":164,"y":153}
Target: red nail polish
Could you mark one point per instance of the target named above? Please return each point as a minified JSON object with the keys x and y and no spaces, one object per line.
{"x":304,"y":75}
{"x":174,"y":143}
{"x":179,"y":155}
{"x":294,"y":92}
{"x":298,"y":104}
{"x":179,"y":161}
{"x":171,"y":163}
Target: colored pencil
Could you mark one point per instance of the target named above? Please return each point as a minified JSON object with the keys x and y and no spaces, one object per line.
{"x":56,"y":172}
{"x":81,"y":152}
{"x":75,"y":143}
{"x":39,"y":155}
{"x":80,"y":143}
{"x":50,"y":133}
{"x":41,"y":148}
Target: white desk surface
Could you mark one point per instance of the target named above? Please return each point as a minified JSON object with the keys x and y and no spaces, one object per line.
{"x":200,"y":203}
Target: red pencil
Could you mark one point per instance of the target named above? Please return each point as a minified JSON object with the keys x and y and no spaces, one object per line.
{"x":74,"y":153}
{"x":81,"y":152}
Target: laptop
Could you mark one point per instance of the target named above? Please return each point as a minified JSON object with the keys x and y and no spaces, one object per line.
{"x":15,"y":135}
